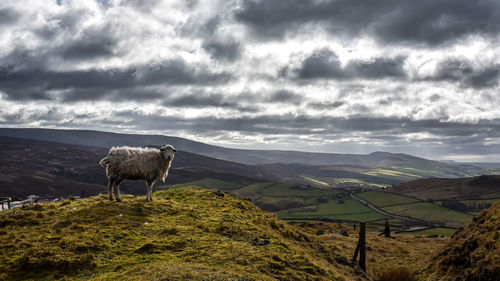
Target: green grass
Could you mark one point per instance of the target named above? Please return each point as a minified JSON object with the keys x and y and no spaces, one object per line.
{"x":381,"y":199}
{"x":421,"y":172}
{"x":340,"y":182}
{"x":391,"y":173}
{"x":430,"y":212}
{"x":349,"y":210}
{"x":356,"y":182}
{"x":206,"y":183}
{"x":494,"y":171}
{"x":274,"y":204}
{"x":447,"y":232}
{"x":291,"y":190}
{"x":251,"y":191}
{"x":183,"y":234}
{"x":275,"y":196}
{"x":314,"y":180}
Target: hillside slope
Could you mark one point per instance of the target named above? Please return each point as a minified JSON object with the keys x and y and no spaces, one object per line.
{"x":473,"y":253}
{"x":482,"y":187}
{"x":394,"y":161}
{"x":184,"y":234}
{"x":55,"y":169}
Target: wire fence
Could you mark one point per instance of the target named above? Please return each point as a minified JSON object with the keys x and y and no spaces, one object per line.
{"x":5,"y":202}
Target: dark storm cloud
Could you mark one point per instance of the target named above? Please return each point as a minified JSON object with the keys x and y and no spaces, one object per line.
{"x":8,"y":16}
{"x":462,"y":71}
{"x":324,"y":63}
{"x":291,"y":124}
{"x":244,"y":102}
{"x":200,"y":99}
{"x":377,"y":68}
{"x":326,"y":105}
{"x":321,"y":64}
{"x":125,"y":94}
{"x":91,"y":45}
{"x":225,"y":50}
{"x":211,"y":25}
{"x":427,"y":21}
{"x":33,"y":83}
{"x":284,"y":96}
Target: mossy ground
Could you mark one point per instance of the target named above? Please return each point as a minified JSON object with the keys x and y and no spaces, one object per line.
{"x":186,"y":234}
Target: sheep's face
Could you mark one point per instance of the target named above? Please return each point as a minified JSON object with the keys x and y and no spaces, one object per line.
{"x":168,"y":151}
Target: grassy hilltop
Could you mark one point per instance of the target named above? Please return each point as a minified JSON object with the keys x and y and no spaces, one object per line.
{"x":188,"y":234}
{"x":183,"y":234}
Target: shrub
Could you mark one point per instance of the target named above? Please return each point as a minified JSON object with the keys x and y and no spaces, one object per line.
{"x":397,"y":274}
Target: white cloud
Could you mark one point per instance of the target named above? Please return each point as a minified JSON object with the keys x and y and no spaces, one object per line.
{"x":203,"y":50}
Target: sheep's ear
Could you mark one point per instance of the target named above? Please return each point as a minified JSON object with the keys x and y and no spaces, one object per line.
{"x":162,"y":149}
{"x":175,"y":150}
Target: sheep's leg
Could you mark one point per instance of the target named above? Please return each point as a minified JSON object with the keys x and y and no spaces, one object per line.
{"x":111,"y":183}
{"x":117,"y":191}
{"x":149,"y":194}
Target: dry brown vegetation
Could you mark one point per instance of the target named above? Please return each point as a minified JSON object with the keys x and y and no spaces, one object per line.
{"x":397,"y":274}
{"x":473,"y":253}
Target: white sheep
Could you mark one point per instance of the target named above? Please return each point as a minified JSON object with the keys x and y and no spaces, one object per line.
{"x":135,"y":163}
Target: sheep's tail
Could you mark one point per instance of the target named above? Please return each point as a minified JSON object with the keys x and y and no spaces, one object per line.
{"x":104,"y":162}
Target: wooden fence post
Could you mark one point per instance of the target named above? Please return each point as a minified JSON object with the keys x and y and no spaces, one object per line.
{"x":361,"y":247}
{"x":387,"y":229}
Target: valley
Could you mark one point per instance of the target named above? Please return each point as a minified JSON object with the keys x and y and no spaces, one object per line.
{"x":220,"y":208}
{"x":331,"y":187}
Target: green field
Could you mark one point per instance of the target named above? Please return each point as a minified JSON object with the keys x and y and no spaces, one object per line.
{"x":430,"y":212}
{"x":305,"y":203}
{"x":349,"y":210}
{"x":341,"y":182}
{"x":208,"y":183}
{"x":290,"y":190}
{"x":314,"y":180}
{"x":252,"y":191}
{"x":381,"y":199}
{"x":274,"y":196}
{"x":299,"y":202}
{"x":391,"y":173}
{"x":355,"y":182}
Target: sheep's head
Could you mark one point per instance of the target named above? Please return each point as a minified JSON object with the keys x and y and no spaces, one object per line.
{"x":168,"y":151}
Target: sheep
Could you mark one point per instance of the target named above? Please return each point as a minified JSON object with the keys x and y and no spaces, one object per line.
{"x":135,"y":163}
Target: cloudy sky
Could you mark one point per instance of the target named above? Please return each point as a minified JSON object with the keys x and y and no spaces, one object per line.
{"x":348,"y":76}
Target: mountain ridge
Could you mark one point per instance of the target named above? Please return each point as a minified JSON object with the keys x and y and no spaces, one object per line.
{"x":243,"y":156}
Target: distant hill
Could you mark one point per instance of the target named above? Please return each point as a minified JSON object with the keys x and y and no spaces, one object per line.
{"x":472,"y":253}
{"x":397,"y":162}
{"x":482,"y":165}
{"x":482,"y":187}
{"x":54,"y":169}
{"x":51,"y":169}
